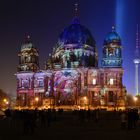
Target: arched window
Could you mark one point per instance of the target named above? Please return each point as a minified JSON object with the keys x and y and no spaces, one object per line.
{"x":94,"y":81}
{"x":111,"y":81}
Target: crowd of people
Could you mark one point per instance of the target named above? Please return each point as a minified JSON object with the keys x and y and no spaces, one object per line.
{"x":129,"y":119}
{"x":32,"y":119}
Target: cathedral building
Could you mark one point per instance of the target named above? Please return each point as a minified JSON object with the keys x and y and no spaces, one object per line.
{"x":72,"y":76}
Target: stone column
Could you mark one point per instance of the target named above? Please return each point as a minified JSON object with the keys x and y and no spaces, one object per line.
{"x":106,"y":98}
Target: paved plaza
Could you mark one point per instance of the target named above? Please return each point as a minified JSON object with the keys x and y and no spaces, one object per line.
{"x":68,"y":126}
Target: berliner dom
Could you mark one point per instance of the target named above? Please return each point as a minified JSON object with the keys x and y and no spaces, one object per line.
{"x":72,"y":77}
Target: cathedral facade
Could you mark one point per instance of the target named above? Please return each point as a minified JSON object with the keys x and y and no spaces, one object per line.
{"x":72,"y":76}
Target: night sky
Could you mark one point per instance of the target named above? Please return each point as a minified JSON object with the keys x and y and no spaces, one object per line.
{"x":44,"y":20}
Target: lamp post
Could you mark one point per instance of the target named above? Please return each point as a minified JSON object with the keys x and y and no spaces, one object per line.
{"x":6,"y":102}
{"x":135,"y":100}
{"x":36,"y":100}
{"x":85,"y":101}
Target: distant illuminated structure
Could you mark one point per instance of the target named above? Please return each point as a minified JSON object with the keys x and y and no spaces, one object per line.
{"x":72,"y":76}
{"x":136,"y":62}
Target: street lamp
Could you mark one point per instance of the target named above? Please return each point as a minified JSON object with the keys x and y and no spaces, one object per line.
{"x":36,"y":100}
{"x":85,"y":98}
{"x":5,"y":101}
{"x":135,"y":100}
{"x":85,"y":101}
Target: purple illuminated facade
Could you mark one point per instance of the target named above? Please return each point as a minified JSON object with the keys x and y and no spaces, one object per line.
{"x":71,"y":76}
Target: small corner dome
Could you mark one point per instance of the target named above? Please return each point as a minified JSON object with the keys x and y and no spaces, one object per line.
{"x":76,"y":34}
{"x":112,"y":37}
{"x":27,"y":43}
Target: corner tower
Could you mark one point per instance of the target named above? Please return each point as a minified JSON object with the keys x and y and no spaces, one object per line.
{"x":28,"y":66}
{"x":28,"y":57}
{"x":112,"y":53}
{"x":112,"y":71}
